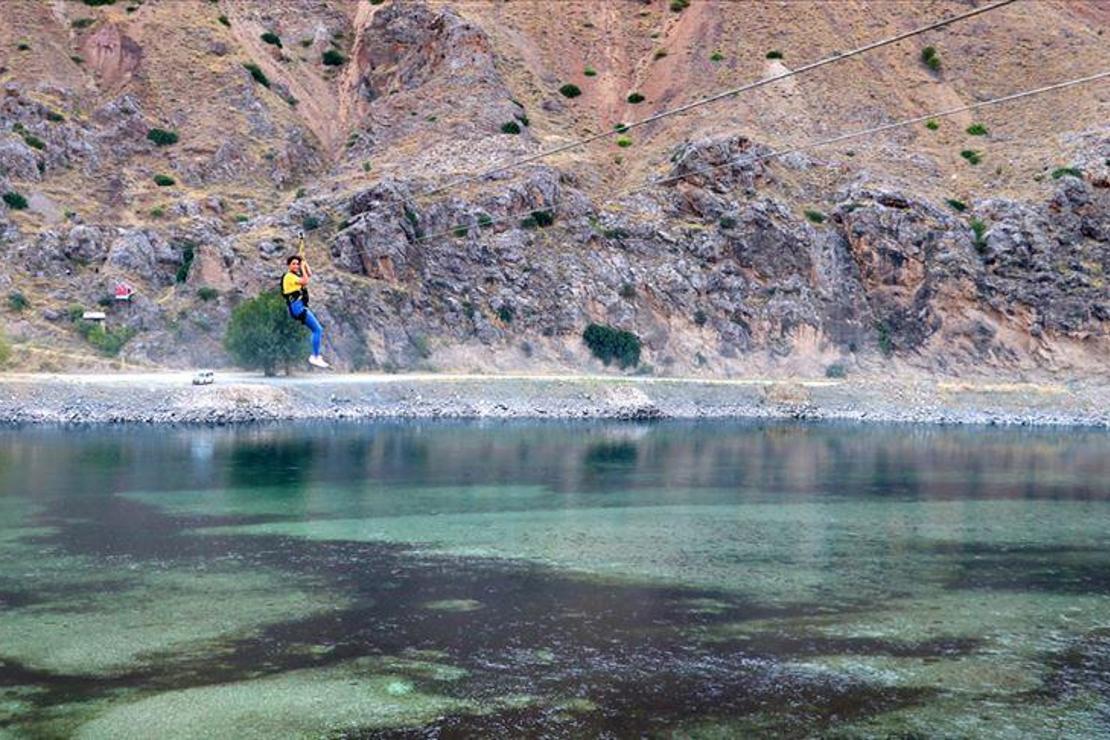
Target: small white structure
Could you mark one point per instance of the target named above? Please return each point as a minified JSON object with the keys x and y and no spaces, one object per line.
{"x":94,"y":316}
{"x":204,"y":377}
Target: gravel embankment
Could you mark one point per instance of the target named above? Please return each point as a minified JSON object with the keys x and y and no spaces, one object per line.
{"x":237,"y":398}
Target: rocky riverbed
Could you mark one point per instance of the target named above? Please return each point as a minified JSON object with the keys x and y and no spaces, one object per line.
{"x":157,"y":398}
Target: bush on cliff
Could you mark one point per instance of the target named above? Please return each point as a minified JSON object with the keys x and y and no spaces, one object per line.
{"x":609,"y":343}
{"x":261,"y":336}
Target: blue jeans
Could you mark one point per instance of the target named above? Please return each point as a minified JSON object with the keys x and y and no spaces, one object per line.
{"x":300,"y":312}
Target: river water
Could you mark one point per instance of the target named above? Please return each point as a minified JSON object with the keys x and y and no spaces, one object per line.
{"x":556,"y":579}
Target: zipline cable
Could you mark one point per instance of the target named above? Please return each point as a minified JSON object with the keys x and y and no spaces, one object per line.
{"x":782,"y":152}
{"x":720,"y":96}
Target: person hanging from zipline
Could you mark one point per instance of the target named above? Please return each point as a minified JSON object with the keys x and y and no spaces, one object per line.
{"x":294,"y":288}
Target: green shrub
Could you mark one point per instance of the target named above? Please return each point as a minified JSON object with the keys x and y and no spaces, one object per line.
{"x":977,"y":129}
{"x":74,"y":312}
{"x":716,"y":56}
{"x":223,"y":19}
{"x":76,"y":59}
{"x":957,"y":205}
{"x":97,"y":3}
{"x":241,"y":218}
{"x":257,"y":73}
{"x":272,"y":38}
{"x":677,"y":6}
{"x":511,"y":127}
{"x":461,"y":231}
{"x":23,"y":47}
{"x":624,"y":142}
{"x":659,"y":53}
{"x":310,"y":223}
{"x":932,"y":124}
{"x":83,"y":22}
{"x":157,"y":212}
{"x":484,"y":220}
{"x":608,"y":343}
{"x":835,"y":371}
{"x":635,"y":98}
{"x":187,"y":255}
{"x":34,"y":141}
{"x":972,"y":156}
{"x":54,"y":117}
{"x":164,"y":181}
{"x":886,"y":340}
{"x":700,"y":317}
{"x":815,"y":216}
{"x":979,"y":229}
{"x":774,"y":54}
{"x":106,"y":341}
{"x":17,"y":301}
{"x":523,"y":118}
{"x":620,"y":128}
{"x":627,"y":291}
{"x":616,"y":233}
{"x":161,"y":137}
{"x":727,"y":222}
{"x":590,"y":72}
{"x":332,"y":58}
{"x":538,"y":219}
{"x":930,"y":59}
{"x":1066,"y":171}
{"x":570,"y":90}
{"x":366,"y":166}
{"x":261,"y":336}
{"x":414,"y":222}
{"x":506,"y":313}
{"x":15,"y":201}
{"x":207,"y":294}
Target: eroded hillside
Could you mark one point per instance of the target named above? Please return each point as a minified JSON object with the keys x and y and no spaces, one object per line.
{"x":339,"y":117}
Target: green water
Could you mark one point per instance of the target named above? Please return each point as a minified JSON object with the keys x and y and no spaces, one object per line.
{"x":541,"y":579}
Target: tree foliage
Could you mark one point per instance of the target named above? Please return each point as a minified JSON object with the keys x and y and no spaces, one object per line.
{"x":261,"y":336}
{"x":609,"y":343}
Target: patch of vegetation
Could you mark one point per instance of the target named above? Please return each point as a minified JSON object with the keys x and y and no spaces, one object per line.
{"x":886,"y":340}
{"x":932,"y":124}
{"x":23,"y":46}
{"x":366,"y":166}
{"x":835,"y":371}
{"x":305,"y":43}
{"x":570,"y":90}
{"x":223,"y":19}
{"x":677,"y":6}
{"x":620,"y":128}
{"x":207,"y":294}
{"x":164,"y":181}
{"x":538,"y":219}
{"x":157,"y":212}
{"x":54,"y":117}
{"x":627,"y":291}
{"x":272,"y":38}
{"x":332,"y":58}
{"x":616,"y":233}
{"x":260,"y":335}
{"x":14,"y":200}
{"x":17,"y":301}
{"x":1066,"y":172}
{"x":76,"y":59}
{"x":774,"y":54}
{"x":979,"y":229}
{"x":161,"y":137}
{"x":590,"y":72}
{"x":75,"y":311}
{"x":310,"y":223}
{"x":977,"y":129}
{"x":609,"y":344}
{"x":484,"y":220}
{"x":624,"y":142}
{"x":510,"y":127}
{"x":727,"y":222}
{"x":188,"y":253}
{"x":106,"y":341}
{"x":700,"y":317}
{"x":635,"y":98}
{"x":257,"y":73}
{"x":659,"y":53}
{"x":241,"y":218}
{"x":815,"y":216}
{"x":34,"y":141}
{"x":98,"y":3}
{"x":506,"y":313}
{"x":461,"y":232}
{"x":83,"y":22}
{"x":930,"y":58}
{"x":956,"y":205}
{"x":972,"y":156}
{"x":716,"y":56}
{"x":414,"y":222}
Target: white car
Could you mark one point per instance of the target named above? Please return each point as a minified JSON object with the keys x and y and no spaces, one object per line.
{"x":204,"y":377}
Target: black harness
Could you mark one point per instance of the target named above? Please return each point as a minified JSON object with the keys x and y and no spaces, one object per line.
{"x":291,"y":298}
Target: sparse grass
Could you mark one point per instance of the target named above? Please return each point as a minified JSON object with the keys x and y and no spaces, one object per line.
{"x":164,"y":181}
{"x":972,"y":156}
{"x":979,"y":229}
{"x":83,"y":22}
{"x":590,"y":72}
{"x":17,"y":301}
{"x":570,"y":90}
{"x":977,"y":129}
{"x":635,"y":98}
{"x":1066,"y":172}
{"x":161,"y":137}
{"x":774,"y":54}
{"x":223,"y":19}
{"x":257,"y":73}
{"x":207,"y":294}
{"x":932,"y":124}
{"x":815,"y":216}
{"x":14,"y":200}
{"x":930,"y":58}
{"x":332,"y":58}
{"x":956,"y":205}
{"x":716,"y":56}
{"x":510,"y":127}
{"x":272,"y":38}
{"x":624,"y":142}
{"x":608,"y":344}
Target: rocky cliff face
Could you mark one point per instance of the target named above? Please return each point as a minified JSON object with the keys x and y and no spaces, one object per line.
{"x":860,"y":257}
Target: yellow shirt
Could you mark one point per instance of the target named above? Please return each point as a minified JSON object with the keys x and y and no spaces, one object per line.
{"x":291,"y":283}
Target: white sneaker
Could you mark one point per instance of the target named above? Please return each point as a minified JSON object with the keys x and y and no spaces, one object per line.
{"x":317,"y":361}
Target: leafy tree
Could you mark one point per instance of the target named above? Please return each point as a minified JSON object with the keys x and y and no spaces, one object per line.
{"x":609,"y":343}
{"x":15,"y":201}
{"x":261,"y":336}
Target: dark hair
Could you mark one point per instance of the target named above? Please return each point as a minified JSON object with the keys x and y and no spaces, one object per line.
{"x":290,"y":260}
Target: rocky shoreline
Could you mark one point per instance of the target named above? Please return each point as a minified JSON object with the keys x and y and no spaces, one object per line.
{"x":170,"y":398}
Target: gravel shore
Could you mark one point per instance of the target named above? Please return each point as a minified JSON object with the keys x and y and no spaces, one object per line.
{"x":157,"y":398}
